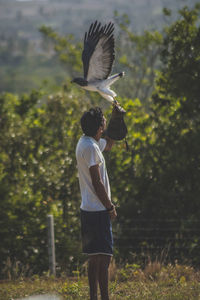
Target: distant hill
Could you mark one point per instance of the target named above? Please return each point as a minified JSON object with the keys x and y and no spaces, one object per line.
{"x":68,"y":16}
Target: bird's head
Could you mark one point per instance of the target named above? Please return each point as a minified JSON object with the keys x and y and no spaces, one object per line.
{"x":80,"y":81}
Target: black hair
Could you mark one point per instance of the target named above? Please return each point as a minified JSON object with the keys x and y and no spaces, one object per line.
{"x":91,"y":121}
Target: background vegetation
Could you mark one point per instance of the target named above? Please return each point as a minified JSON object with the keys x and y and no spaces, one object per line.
{"x":155,"y":184}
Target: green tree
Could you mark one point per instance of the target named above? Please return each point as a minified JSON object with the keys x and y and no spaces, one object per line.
{"x":38,"y":176}
{"x":161,"y":202}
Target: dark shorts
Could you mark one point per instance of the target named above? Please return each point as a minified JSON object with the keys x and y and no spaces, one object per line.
{"x":96,"y":232}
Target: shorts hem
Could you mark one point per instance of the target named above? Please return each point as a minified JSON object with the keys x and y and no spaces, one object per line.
{"x":96,"y":253}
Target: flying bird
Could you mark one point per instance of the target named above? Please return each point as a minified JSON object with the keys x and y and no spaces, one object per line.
{"x":98,"y":56}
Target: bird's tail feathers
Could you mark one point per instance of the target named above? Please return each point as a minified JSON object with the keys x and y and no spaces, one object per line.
{"x":122,"y":74}
{"x":114,"y":78}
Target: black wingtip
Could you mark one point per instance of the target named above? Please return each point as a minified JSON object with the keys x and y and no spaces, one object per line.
{"x":98,"y":27}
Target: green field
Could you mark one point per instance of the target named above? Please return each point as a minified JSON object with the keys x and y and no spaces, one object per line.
{"x":154,"y":282}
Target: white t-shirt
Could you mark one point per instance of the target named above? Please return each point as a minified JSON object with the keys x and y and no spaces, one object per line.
{"x":89,"y":153}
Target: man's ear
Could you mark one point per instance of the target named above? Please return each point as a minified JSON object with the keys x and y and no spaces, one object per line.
{"x":99,"y":133}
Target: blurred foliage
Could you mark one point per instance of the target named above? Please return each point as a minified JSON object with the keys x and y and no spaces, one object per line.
{"x":139,"y":58}
{"x":69,"y":52}
{"x":38,"y":176}
{"x":155,"y":185}
{"x":22,"y":70}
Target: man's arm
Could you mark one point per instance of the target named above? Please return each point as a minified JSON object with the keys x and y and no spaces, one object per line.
{"x":109,"y":143}
{"x":100,"y":189}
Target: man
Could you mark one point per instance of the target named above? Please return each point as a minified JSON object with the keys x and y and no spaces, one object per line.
{"x":97,"y":209}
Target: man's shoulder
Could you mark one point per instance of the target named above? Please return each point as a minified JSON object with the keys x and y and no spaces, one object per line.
{"x":85,"y":143}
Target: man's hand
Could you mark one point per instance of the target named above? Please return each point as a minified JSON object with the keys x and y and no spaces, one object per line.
{"x":113,"y":213}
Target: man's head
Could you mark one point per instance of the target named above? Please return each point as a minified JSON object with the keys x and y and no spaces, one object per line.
{"x":92,"y":121}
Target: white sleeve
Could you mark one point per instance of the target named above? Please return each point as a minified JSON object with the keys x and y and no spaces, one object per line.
{"x":102,"y":144}
{"x":91,"y":156}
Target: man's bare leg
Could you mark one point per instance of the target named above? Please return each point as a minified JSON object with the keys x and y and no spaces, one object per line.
{"x":93,"y":270}
{"x":104,"y":261}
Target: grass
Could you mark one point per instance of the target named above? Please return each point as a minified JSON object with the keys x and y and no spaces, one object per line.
{"x":155,"y":282}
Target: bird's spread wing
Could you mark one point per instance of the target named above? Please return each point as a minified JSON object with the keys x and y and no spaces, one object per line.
{"x":98,"y":54}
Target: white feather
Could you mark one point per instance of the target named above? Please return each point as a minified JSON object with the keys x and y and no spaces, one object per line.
{"x":99,"y":62}
{"x":107,"y":97}
{"x":103,"y":87}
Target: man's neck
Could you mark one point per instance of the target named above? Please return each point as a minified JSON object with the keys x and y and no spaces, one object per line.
{"x":96,"y":137}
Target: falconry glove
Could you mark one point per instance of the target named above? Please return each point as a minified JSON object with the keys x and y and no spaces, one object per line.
{"x":117,"y":129}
